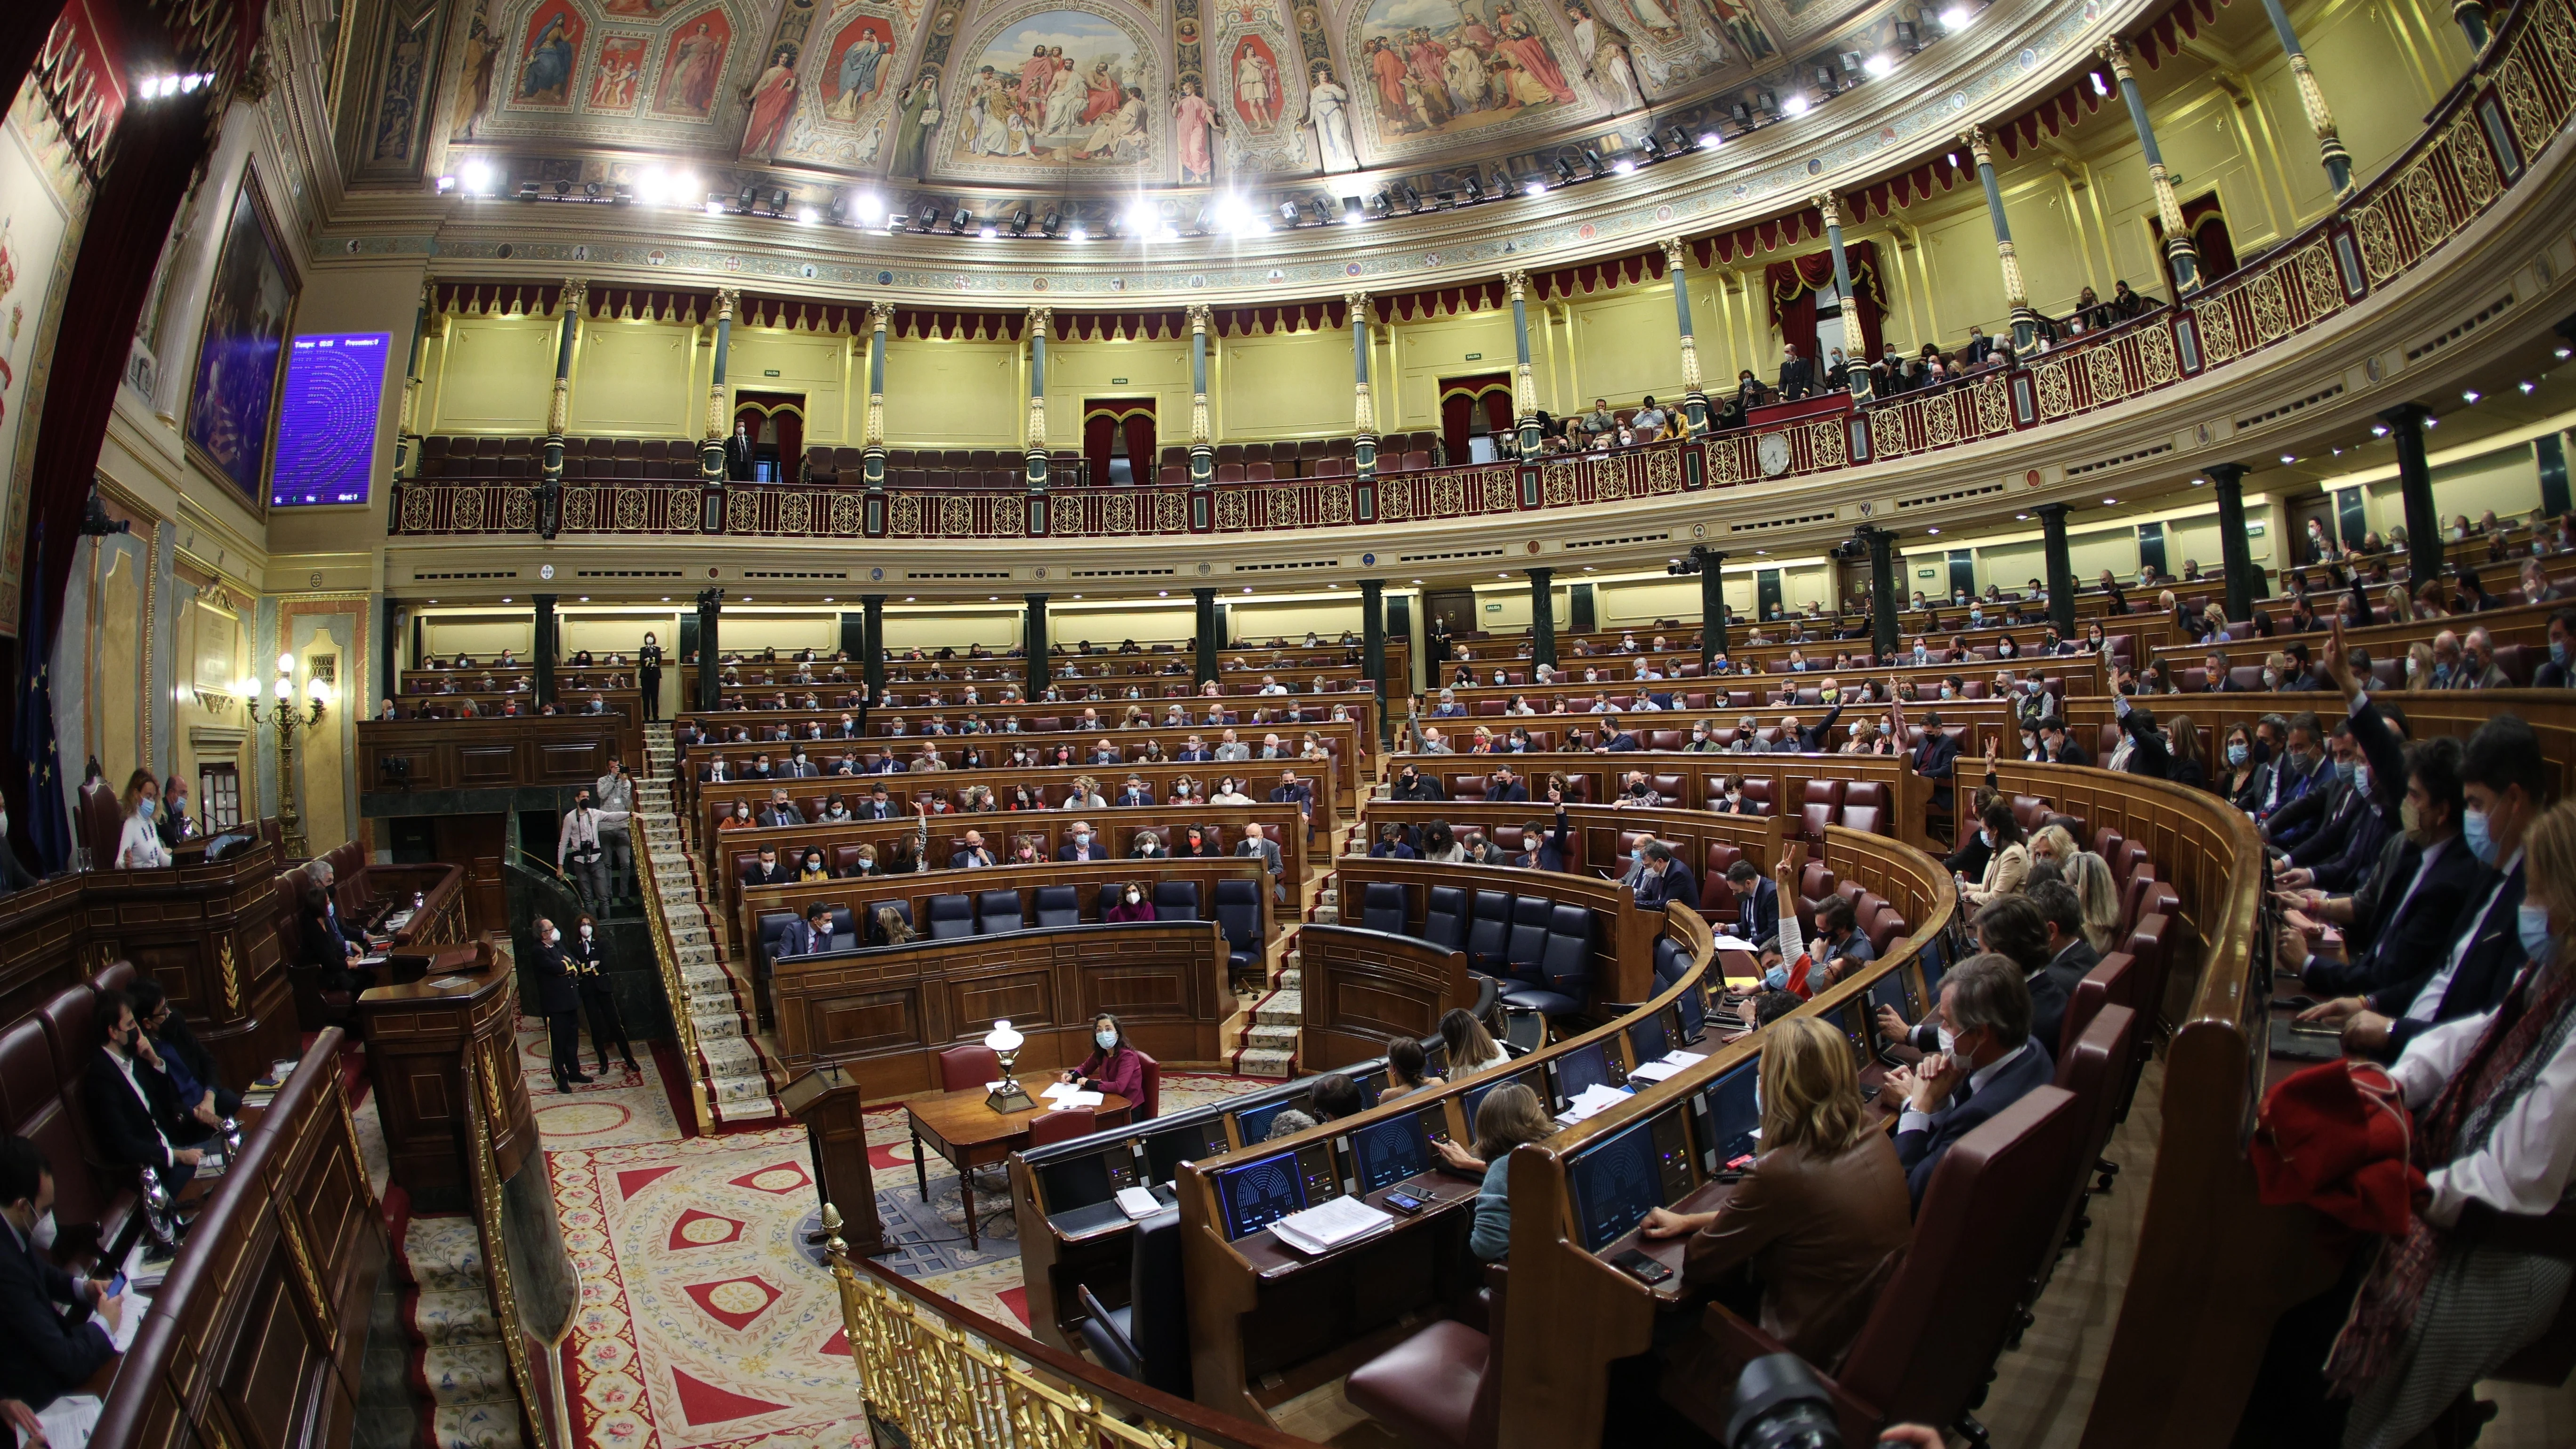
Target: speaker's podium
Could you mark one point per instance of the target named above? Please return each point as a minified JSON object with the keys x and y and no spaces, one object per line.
{"x":827,"y":1101}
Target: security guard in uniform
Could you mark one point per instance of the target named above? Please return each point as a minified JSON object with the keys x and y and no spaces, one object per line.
{"x":589,"y":965}
{"x":558,"y":1002}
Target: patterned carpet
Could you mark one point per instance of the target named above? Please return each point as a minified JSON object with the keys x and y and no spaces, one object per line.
{"x":701,"y":1325}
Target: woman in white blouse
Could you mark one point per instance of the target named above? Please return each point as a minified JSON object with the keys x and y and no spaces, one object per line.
{"x":140,"y":847}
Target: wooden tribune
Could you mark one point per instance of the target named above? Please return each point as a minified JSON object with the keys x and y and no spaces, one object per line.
{"x":426,"y":756}
{"x":833,"y":1111}
{"x":422,"y":1038}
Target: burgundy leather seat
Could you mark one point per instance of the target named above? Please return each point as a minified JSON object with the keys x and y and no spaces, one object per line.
{"x":972,"y":1065}
{"x":1442,"y":1386}
{"x":1062,"y":1125}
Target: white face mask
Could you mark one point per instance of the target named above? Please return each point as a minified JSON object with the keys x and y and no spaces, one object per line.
{"x":585,"y":933}
{"x":1133,"y":898}
{"x":43,"y":1233}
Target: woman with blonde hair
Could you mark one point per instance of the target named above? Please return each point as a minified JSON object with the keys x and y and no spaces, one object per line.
{"x":139,"y":846}
{"x":2052,"y":842}
{"x":1816,"y":1225}
{"x":1472,"y":1049}
{"x":2090,"y":877}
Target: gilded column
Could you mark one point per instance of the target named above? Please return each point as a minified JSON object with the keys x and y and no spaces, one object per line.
{"x":1202,"y":453}
{"x":559,"y":409}
{"x":711,"y":452}
{"x":872,"y":429}
{"x":1852,"y":346}
{"x":1524,"y":385}
{"x":2338,"y":162}
{"x":1039,"y":317}
{"x":2025,"y":322}
{"x":1694,"y":394}
{"x":1363,"y":407}
{"x":2472,"y":15}
{"x":2180,"y":255}
{"x":407,"y":436}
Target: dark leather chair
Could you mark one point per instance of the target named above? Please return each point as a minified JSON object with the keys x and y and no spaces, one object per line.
{"x":971,"y":1065}
{"x":1059,"y":905}
{"x":1938,"y":1324}
{"x":1382,"y":907}
{"x":1176,"y":900}
{"x":1489,"y":928}
{"x":1444,"y":918}
{"x":1671,"y":960}
{"x":1149,"y":1339}
{"x":1564,"y":968}
{"x":997,"y":911}
{"x":2091,"y":1069}
{"x":1238,"y":913}
{"x":1062,"y":1125}
{"x":950,"y":917}
{"x":1443,"y":1385}
{"x":1526,"y":953}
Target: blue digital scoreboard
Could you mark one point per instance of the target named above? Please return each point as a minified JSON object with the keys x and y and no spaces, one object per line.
{"x":326,"y":431}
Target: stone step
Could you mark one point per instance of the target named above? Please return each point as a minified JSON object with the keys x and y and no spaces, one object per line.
{"x":1290,"y":978}
{"x":1272,"y":1036}
{"x":455,"y":1318}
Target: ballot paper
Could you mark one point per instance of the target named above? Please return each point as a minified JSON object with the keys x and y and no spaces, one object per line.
{"x":1066,"y":1094}
{"x":1590,"y":1100}
{"x":1139,"y":1202}
{"x":1662,"y":1066}
{"x":69,"y":1419}
{"x":1338,"y":1223}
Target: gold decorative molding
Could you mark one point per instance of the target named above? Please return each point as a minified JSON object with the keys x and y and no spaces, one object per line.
{"x":230,"y":971}
{"x":1829,"y":208}
{"x":1974,"y":138}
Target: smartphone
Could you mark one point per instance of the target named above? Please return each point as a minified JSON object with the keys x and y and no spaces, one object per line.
{"x":116,"y":1284}
{"x":1405,"y":1202}
{"x":1644,"y":1269}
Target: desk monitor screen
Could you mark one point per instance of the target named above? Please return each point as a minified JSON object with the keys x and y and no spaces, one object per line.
{"x":1435,"y":1122}
{"x":1088,"y":1178}
{"x":1617,"y":1179}
{"x":1252,"y":1124}
{"x":1889,"y":991}
{"x":1650,"y":1039}
{"x":1437,"y":1054}
{"x":1533,"y":1078}
{"x":1318,"y":1173}
{"x":1734,"y":1110}
{"x":1372,"y":1085}
{"x":1258,"y":1193}
{"x":1854,"y":1021}
{"x":1189,"y":1141}
{"x":1585,"y":1066}
{"x":1386,"y":1153}
{"x":1690,"y":1015}
{"x":1932,"y":956}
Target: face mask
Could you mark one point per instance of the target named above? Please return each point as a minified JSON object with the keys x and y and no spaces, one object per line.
{"x":1949,"y":1040}
{"x":2236,"y":755}
{"x":2345,"y":769}
{"x":2473,"y":829}
{"x":1946,"y":692}
{"x":2030,"y":686}
{"x":2271,"y":679}
{"x":1082,"y":837}
{"x":2558,"y":652}
{"x":553,"y":936}
{"x":1132,"y":898}
{"x":1106,"y":1040}
{"x":2532,"y":923}
{"x":1988,"y":837}
{"x":42,"y":1234}
{"x":149,"y":807}
{"x":2029,"y":743}
{"x":585,"y":933}
{"x":1734,"y":795}
{"x":2361,"y":778}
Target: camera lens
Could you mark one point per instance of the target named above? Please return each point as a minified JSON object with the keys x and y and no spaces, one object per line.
{"x":1780,"y":1405}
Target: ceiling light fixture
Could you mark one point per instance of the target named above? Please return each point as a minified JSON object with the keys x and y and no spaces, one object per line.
{"x":2471,"y":395}
{"x":1880,"y":66}
{"x":1956,"y":16}
{"x":1795,"y":105}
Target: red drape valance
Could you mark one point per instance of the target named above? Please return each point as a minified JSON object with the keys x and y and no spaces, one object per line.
{"x":1792,"y":285}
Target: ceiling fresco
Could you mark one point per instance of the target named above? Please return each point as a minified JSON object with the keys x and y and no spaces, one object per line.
{"x":1096,"y":97}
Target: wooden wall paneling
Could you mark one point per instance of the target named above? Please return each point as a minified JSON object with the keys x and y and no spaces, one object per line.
{"x":1362,"y":988}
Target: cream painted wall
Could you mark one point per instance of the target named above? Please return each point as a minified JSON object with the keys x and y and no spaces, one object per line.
{"x":479,"y":635}
{"x":1285,"y":385}
{"x":632,"y":379}
{"x":495,"y":375}
{"x":931,"y":629}
{"x":1291,"y":620}
{"x":1430,"y":350}
{"x":1627,"y":344}
{"x":952,"y":394}
{"x":1145,"y":623}
{"x":817,"y":364}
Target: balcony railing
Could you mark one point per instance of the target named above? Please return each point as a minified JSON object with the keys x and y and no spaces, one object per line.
{"x":2476,"y":147}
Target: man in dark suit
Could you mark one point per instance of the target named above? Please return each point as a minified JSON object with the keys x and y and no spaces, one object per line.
{"x":769,"y":870}
{"x":559,"y":1002}
{"x":2503,"y":778}
{"x":1936,"y":758}
{"x":1293,"y":791}
{"x":133,"y":1110}
{"x":739,"y":454}
{"x":2401,"y":916}
{"x":1993,"y":1061}
{"x":1135,"y":792}
{"x":716,"y":772}
{"x":1081,"y":844}
{"x":1194,"y":751}
{"x":1412,"y":784}
{"x":2012,"y":927}
{"x":798,"y":767}
{"x":1543,"y":849}
{"x":972,"y":854}
{"x":1810,"y":740}
{"x":59,"y":1331}
{"x":1257,"y":845}
{"x":1757,"y":905}
{"x":879,"y":805}
{"x":1665,"y":878}
{"x":1797,"y":374}
{"x":1615,"y":738}
{"x":191,"y":1066}
{"x":2314,"y":826}
{"x":2059,"y":746}
{"x":2061,"y":915}
{"x":781,"y":810}
{"x":1505,"y":786}
{"x":811,"y":936}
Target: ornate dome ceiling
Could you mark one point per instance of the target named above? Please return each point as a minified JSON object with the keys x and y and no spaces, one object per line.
{"x":1087,"y":101}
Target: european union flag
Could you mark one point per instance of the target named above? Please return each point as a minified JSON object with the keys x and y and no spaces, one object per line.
{"x":48,"y":829}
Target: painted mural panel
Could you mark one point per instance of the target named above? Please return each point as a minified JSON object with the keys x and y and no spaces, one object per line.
{"x":617,"y":78}
{"x":830,"y":84}
{"x":397,"y":128}
{"x":693,"y":68}
{"x":1055,"y":88}
{"x":608,"y":71}
{"x":543,"y":74}
{"x":1427,"y":72}
{"x":1258,"y":90}
{"x":248,"y":308}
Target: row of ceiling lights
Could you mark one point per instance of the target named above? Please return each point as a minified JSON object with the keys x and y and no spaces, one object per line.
{"x":1228,"y":215}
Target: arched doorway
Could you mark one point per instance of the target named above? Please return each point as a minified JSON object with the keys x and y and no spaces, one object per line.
{"x":777,"y":424}
{"x":1118,"y":439}
{"x":1472,"y":408}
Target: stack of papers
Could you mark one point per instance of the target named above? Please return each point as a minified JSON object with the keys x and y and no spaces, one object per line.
{"x":1590,"y":1100}
{"x":1662,"y":1066}
{"x":1066,"y":1094}
{"x":1337,"y":1224}
{"x":1139,"y":1203}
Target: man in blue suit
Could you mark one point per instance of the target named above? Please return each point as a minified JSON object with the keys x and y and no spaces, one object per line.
{"x":57,"y":1329}
{"x":811,"y":936}
{"x":1757,"y":905}
{"x":1665,"y":878}
{"x":1991,"y":1064}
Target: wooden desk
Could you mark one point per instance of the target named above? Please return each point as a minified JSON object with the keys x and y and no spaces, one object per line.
{"x":959,"y":1127}
{"x":422,"y":1037}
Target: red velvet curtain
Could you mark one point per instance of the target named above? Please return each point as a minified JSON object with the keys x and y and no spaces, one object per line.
{"x":1458,"y":399}
{"x":1456,"y":409}
{"x":1139,"y":424}
{"x":1098,"y":428}
{"x":1103,"y":420}
{"x":1498,"y":416}
{"x":787,"y":429}
{"x":1793,"y":284}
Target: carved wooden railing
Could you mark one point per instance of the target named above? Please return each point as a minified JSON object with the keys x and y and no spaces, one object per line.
{"x":2478,"y":144}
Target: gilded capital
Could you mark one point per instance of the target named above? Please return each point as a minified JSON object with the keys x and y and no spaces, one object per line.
{"x":1039,"y":317}
{"x":1200,"y":317}
{"x":1829,"y":209}
{"x":1518,"y":283}
{"x":1674,"y":254}
{"x":1358,"y":302}
{"x":1974,"y":138}
{"x":575,"y":292}
{"x":2116,"y":56}
{"x":880,"y":315}
{"x":727,"y":299}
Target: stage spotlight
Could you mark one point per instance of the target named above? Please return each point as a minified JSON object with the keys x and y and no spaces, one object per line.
{"x":1564,"y":172}
{"x":528,"y":190}
{"x":1050,"y":224}
{"x":778,"y":202}
{"x":1592,"y":160}
{"x":747,"y":200}
{"x":962,"y":220}
{"x":1475,"y":190}
{"x":1741,"y":114}
{"x":1020,"y":222}
{"x":1676,"y":139}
